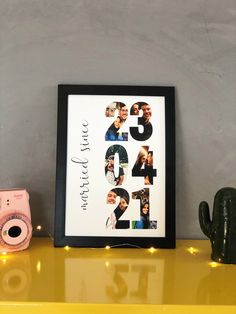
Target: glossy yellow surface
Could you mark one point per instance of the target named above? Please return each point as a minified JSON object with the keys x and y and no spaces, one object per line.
{"x":57,"y":280}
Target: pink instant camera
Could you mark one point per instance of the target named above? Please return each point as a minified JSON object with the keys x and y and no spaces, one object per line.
{"x":15,"y":220}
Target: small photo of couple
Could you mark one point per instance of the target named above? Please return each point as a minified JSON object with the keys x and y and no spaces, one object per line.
{"x":113,"y":221}
{"x":144,"y":165}
{"x":113,"y":132}
{"x":116,"y":177}
{"x":144,"y":222}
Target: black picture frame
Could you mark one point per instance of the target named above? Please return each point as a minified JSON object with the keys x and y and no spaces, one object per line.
{"x":73,"y":101}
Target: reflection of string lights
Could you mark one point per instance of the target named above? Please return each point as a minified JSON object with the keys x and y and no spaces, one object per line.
{"x":192,"y":250}
{"x":38,"y":267}
{"x":67,"y":248}
{"x":214,"y":264}
{"x":4,"y":257}
{"x":107,"y":264}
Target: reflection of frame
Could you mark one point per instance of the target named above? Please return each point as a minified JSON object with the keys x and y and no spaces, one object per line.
{"x":136,"y":278}
{"x":115,"y":166}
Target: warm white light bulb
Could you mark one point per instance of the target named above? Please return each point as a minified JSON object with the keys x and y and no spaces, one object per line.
{"x":152,"y":249}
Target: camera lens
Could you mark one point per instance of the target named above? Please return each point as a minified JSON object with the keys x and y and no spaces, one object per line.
{"x":14,"y":232}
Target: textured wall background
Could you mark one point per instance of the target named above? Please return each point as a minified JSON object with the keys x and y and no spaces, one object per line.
{"x":187,"y":44}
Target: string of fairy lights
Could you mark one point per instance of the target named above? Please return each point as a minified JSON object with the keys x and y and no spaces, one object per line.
{"x":191,"y":250}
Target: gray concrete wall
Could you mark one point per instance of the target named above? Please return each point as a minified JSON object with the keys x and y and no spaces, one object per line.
{"x":187,"y":44}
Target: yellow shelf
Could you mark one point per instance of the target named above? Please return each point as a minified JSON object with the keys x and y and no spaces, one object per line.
{"x":44,"y":279}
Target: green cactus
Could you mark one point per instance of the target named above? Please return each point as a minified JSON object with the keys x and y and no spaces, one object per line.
{"x":221,"y":230}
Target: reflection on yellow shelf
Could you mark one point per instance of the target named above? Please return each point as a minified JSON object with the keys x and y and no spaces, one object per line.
{"x":214,"y":264}
{"x":185,"y":276}
{"x":38,"y":266}
{"x":192,"y":250}
{"x":113,"y":279}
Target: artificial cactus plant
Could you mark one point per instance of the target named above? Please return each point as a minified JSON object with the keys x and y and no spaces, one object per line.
{"x":221,"y":230}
